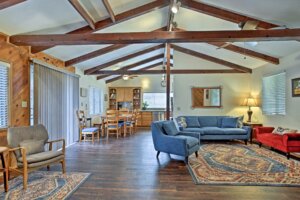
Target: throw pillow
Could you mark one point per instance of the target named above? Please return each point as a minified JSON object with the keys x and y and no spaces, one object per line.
{"x":282,"y":131}
{"x":240,"y":121}
{"x":33,"y":146}
{"x":182,"y":122}
{"x":192,"y":122}
{"x":230,"y":122}
{"x":170,"y":128}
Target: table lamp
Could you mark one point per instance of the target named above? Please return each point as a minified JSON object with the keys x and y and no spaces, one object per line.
{"x":250,"y":102}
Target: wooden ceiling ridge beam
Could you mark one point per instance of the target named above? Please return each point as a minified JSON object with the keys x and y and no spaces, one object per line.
{"x":8,"y":3}
{"x":121,"y":59}
{"x":173,"y":71}
{"x":157,"y":37}
{"x":212,"y":59}
{"x":109,"y":10}
{"x":99,"y":52}
{"x":144,"y":68}
{"x":122,"y":17}
{"x":243,"y":51}
{"x":223,"y":13}
{"x":83,"y":12}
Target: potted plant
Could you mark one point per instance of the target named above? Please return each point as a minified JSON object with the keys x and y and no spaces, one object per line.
{"x":145,"y":105}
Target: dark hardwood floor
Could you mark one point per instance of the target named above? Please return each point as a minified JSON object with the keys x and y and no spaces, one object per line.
{"x":127,"y":168}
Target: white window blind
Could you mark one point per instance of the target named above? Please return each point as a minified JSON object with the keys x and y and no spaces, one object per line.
{"x":274,"y":94}
{"x":95,"y":106}
{"x":3,"y":96}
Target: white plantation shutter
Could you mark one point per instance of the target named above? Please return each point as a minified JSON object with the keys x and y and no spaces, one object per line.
{"x":274,"y":94}
{"x":3,"y":96}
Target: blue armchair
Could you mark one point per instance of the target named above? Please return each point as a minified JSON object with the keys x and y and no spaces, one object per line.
{"x":173,"y":141}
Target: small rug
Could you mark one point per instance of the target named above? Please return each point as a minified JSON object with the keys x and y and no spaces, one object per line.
{"x":44,"y":185}
{"x":238,"y":164}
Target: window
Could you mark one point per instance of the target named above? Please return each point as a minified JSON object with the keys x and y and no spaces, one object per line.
{"x":155,"y":100}
{"x":95,"y":101}
{"x":274,"y":94}
{"x":4,"y":95}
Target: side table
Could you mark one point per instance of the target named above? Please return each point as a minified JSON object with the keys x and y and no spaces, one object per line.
{"x":252,"y":125}
{"x":4,"y":169}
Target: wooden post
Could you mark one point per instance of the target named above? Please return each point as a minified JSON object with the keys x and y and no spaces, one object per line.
{"x":168,"y":82}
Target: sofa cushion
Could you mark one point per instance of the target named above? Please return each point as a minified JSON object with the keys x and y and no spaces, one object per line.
{"x":211,"y":131}
{"x":234,"y":131}
{"x":39,"y":157}
{"x":192,"y":129}
{"x":33,"y":146}
{"x":170,"y":128}
{"x":192,"y":122}
{"x":191,"y":141}
{"x":208,"y":121}
{"x":229,"y":122}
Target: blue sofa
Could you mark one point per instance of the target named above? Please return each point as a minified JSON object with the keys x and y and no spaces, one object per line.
{"x":215,"y":127}
{"x":173,"y":141}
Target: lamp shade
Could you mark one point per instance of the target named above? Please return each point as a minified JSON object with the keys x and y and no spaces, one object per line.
{"x":251,"y":102}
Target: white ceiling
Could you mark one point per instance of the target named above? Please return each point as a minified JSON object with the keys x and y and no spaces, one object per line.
{"x":57,"y":16}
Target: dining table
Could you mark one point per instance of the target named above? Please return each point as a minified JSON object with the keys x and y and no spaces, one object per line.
{"x":122,"y":117}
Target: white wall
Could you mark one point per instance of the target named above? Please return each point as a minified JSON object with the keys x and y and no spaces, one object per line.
{"x":86,"y":82}
{"x":235,"y":87}
{"x":291,"y":64}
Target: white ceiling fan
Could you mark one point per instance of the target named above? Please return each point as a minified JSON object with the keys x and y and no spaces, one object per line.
{"x":126,"y":77}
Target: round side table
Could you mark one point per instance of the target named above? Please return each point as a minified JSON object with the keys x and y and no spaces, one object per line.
{"x":4,"y":169}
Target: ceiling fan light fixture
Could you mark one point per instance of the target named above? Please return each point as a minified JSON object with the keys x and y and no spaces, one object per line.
{"x":175,"y":6}
{"x":125,"y":77}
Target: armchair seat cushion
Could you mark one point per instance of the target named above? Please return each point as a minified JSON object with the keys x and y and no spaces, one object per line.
{"x":39,"y":157}
{"x":191,"y":141}
{"x":90,"y":130}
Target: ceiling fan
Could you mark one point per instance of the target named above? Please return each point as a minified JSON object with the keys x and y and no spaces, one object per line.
{"x":248,"y":25}
{"x":126,"y":77}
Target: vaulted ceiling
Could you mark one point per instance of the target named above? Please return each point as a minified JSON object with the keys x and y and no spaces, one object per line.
{"x":115,"y":16}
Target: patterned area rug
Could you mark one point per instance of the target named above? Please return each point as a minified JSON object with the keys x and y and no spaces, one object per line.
{"x":238,"y":164}
{"x":44,"y":185}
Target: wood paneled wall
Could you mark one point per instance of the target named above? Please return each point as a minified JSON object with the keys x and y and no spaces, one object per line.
{"x":19,"y":60}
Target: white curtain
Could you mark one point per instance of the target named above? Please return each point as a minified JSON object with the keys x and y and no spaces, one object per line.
{"x":56,"y":103}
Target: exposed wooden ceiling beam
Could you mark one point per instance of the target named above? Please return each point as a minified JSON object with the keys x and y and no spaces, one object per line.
{"x":99,"y":52}
{"x":143,"y":62}
{"x":211,"y":59}
{"x":8,"y":3}
{"x":156,"y":37}
{"x":243,"y":51}
{"x":124,"y":58}
{"x":148,"y":67}
{"x":174,"y":71}
{"x":84,"y":14}
{"x":145,"y":68}
{"x":223,"y":13}
{"x":127,"y":15}
{"x":247,"y":52}
{"x":94,"y":54}
{"x":109,"y":10}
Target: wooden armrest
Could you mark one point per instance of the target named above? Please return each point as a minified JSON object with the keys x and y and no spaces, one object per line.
{"x":17,"y":148}
{"x":54,"y":141}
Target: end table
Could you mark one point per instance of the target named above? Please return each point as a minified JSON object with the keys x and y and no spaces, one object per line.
{"x":252,"y":125}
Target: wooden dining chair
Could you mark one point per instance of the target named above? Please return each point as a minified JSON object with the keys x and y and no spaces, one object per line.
{"x":85,"y":131}
{"x":136,"y":117}
{"x":129,"y":124}
{"x":113,"y":125}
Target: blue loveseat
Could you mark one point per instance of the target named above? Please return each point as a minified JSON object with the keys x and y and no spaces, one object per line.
{"x":215,"y":127}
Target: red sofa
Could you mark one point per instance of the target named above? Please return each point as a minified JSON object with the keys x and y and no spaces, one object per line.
{"x":287,"y":143}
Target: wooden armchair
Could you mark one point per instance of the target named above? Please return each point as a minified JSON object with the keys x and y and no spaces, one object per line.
{"x":27,"y":144}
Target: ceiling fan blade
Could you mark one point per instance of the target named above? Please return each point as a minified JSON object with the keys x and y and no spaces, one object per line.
{"x":250,"y":25}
